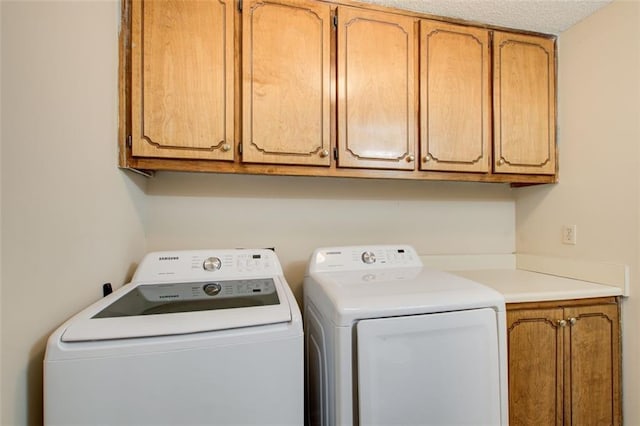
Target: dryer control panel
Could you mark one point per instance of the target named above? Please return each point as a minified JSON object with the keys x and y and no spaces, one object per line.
{"x":364,"y":257}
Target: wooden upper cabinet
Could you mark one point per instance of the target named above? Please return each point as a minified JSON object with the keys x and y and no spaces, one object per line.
{"x":377,"y":111}
{"x":346,"y":88}
{"x":524,"y":104}
{"x":455,"y":98}
{"x":286,"y":82}
{"x":535,"y":367}
{"x":592,"y":361}
{"x":182,"y":79}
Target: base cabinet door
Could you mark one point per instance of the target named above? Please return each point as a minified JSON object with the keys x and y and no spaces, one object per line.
{"x":182,"y":100}
{"x":535,"y":367}
{"x":593,"y":364}
{"x":564,"y":364}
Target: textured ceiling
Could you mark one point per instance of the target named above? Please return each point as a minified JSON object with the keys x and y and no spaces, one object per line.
{"x":544,"y":16}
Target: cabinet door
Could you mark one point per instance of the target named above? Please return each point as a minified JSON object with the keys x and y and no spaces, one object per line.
{"x":286,"y":82}
{"x":455,"y":98}
{"x":376,"y":89}
{"x":592,"y":375}
{"x":524,"y":104}
{"x":182,"y":79}
{"x":535,"y":367}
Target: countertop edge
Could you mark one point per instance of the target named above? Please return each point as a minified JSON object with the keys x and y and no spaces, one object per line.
{"x":518,"y":286}
{"x":533,"y":278}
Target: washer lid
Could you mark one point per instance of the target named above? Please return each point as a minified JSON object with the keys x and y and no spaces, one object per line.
{"x":146,"y":310}
{"x":348,"y":296}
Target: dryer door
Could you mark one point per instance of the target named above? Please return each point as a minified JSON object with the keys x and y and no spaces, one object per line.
{"x":436,"y":369}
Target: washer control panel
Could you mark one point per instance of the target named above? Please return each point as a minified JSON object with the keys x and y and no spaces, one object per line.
{"x":207,"y":265}
{"x":364,"y":257}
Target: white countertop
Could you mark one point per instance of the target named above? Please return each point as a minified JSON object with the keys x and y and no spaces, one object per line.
{"x":524,"y":286}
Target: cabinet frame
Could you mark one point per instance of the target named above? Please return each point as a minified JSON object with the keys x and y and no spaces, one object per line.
{"x":148,"y":166}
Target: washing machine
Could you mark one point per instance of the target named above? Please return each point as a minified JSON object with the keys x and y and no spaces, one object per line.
{"x":390,"y":342}
{"x":198,"y":337}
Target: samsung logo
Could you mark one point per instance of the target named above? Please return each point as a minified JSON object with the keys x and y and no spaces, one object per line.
{"x":168,"y":258}
{"x":169,"y":296}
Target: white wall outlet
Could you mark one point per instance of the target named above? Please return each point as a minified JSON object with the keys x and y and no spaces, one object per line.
{"x":569,"y":234}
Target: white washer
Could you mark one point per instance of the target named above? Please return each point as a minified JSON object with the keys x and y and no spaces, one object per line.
{"x":198,"y":337}
{"x":392,"y":343}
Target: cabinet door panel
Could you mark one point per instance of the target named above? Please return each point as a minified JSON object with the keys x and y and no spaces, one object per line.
{"x":524,"y":104}
{"x":182,"y":79}
{"x":286,"y":82}
{"x":535,"y":367}
{"x":376,"y":89}
{"x":455,"y":97}
{"x":591,"y":354}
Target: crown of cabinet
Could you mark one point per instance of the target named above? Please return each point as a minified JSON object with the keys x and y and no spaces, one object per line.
{"x":305,"y":87}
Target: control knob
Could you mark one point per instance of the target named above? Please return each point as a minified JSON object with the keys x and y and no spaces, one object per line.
{"x":211,"y":289}
{"x":212,"y":264}
{"x":368,"y":257}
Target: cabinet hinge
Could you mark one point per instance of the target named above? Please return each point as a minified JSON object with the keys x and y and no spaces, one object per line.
{"x":129,"y":143}
{"x":335,"y":154}
{"x":335,"y":21}
{"x":240,"y":148}
{"x":240,"y":5}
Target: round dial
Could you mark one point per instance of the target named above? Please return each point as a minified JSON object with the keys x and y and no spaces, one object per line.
{"x":211,"y":289}
{"x":368,"y":257}
{"x":212,"y":264}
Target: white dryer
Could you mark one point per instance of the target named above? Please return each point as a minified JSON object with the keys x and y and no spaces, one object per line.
{"x":197,"y":337}
{"x":389,"y":342}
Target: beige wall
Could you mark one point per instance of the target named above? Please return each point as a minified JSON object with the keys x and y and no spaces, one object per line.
{"x":599,"y":140}
{"x":296,"y":215}
{"x":70,"y":219}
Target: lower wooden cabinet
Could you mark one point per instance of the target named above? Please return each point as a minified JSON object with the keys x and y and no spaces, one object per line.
{"x":564,"y":363}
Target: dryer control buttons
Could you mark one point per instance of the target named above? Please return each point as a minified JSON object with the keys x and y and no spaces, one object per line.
{"x":212,"y":264}
{"x":368,"y":257}
{"x":211,"y":289}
